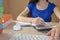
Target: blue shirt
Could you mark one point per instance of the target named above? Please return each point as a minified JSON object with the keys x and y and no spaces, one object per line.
{"x":44,"y":14}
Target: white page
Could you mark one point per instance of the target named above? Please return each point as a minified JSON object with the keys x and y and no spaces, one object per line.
{"x":25,"y":23}
{"x":32,"y":24}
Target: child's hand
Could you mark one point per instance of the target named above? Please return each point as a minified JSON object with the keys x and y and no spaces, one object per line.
{"x":39,"y":21}
{"x":54,"y":33}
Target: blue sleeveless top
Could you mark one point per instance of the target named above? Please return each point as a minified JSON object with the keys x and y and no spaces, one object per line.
{"x":44,"y":14}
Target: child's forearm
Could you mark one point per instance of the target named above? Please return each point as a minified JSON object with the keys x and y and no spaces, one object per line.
{"x":25,"y":19}
{"x":58,"y":24}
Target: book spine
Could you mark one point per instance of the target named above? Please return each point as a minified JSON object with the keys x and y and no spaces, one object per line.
{"x":1,"y":16}
{"x":1,"y":9}
{"x":0,"y":2}
{"x":6,"y":24}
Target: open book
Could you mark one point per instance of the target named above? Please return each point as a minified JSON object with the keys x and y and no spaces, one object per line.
{"x":39,"y":27}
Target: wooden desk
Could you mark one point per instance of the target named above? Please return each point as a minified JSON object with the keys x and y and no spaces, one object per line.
{"x":8,"y":32}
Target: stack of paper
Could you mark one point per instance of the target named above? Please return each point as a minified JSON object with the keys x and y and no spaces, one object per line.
{"x":7,"y":19}
{"x":1,"y":13}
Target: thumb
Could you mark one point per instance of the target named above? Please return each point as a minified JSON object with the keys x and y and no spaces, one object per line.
{"x":49,"y":33}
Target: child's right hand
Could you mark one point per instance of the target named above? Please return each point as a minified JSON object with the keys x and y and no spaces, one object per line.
{"x":38,"y":21}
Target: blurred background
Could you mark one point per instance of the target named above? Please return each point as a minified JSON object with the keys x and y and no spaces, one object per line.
{"x":15,"y":7}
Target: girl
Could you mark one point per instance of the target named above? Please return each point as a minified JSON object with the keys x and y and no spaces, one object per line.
{"x":41,"y":11}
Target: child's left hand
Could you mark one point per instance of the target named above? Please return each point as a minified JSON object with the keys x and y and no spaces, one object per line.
{"x":54,"y":33}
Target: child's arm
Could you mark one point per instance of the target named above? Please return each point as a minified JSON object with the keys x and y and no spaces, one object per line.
{"x":22,"y":16}
{"x":57,"y":12}
{"x":55,"y":32}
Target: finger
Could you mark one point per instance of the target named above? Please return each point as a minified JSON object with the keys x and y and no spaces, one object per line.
{"x":52,"y":34}
{"x":42,"y":20}
{"x":42,"y":23}
{"x":39,"y":22}
{"x":49,"y":33}
{"x":57,"y":34}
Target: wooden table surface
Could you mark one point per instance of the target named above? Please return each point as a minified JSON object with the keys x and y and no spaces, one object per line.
{"x":8,"y":31}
